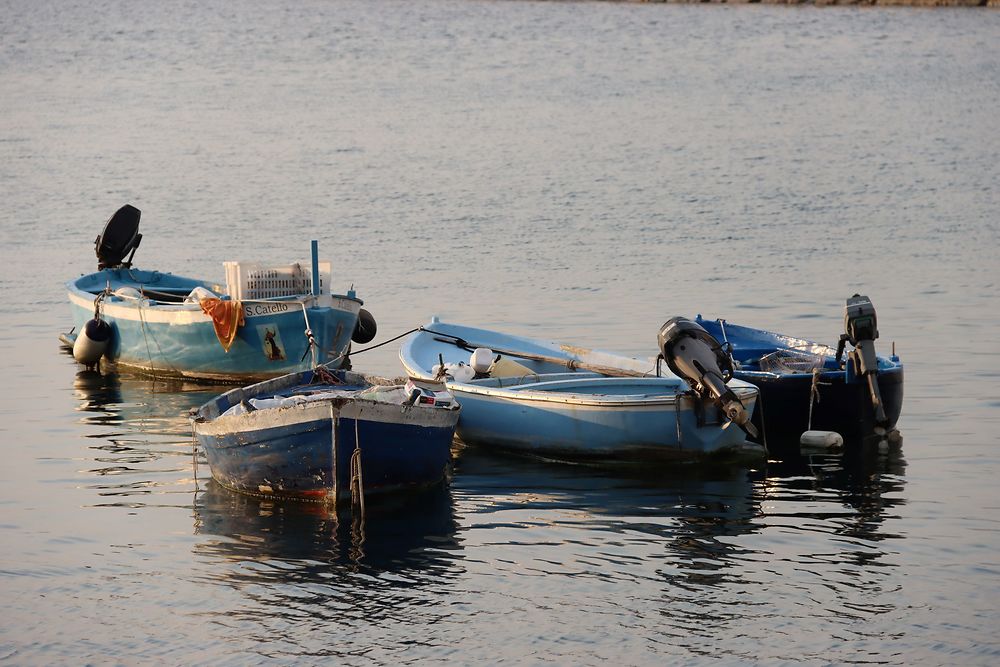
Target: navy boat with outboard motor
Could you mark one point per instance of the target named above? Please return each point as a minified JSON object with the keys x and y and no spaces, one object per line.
{"x":810,"y":391}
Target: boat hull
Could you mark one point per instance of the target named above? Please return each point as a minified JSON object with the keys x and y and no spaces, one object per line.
{"x":304,"y":452}
{"x":556,"y":412}
{"x":845,"y":407}
{"x":178,"y":339}
{"x":571,"y":427}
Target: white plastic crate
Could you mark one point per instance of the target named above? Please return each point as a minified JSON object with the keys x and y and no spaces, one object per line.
{"x":253,"y":280}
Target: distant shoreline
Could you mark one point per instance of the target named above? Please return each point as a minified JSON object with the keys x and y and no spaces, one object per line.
{"x":841,"y":3}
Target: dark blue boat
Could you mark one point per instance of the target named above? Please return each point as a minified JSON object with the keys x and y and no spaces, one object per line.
{"x":310,"y":435}
{"x":810,"y":386}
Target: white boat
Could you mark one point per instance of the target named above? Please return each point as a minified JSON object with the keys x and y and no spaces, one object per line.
{"x":548,"y":399}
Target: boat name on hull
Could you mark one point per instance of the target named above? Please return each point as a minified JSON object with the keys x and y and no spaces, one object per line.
{"x":258,"y":309}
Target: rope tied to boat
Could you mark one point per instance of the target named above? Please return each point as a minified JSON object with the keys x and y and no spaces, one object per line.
{"x":99,"y":300}
{"x":357,"y":481}
{"x":386,"y":342}
{"x":323,"y":376}
{"x":311,"y":345}
{"x":814,"y":397}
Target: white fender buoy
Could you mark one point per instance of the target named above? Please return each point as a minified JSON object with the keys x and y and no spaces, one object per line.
{"x":481,"y":360}
{"x":460,"y":371}
{"x":92,"y":342}
{"x":825,"y":439}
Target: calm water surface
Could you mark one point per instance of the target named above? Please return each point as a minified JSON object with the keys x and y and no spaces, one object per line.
{"x":572,"y":171}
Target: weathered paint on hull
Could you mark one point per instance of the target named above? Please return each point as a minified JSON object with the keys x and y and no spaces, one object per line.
{"x":295,"y":458}
{"x":179,"y":339}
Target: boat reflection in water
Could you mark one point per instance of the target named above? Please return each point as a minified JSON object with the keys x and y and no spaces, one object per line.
{"x":854,"y":494}
{"x":697,"y":557}
{"x":100,"y":397}
{"x":626,"y":523}
{"x":403,"y":531}
{"x":702,"y":561}
{"x":139,"y":438}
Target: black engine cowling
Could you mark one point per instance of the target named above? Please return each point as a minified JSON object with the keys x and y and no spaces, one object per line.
{"x":693,"y":354}
{"x":120,"y":238}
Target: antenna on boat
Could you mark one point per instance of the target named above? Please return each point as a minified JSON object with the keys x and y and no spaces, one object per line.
{"x":315,"y":267}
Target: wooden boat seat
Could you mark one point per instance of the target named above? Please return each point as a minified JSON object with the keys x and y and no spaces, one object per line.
{"x":508,"y":368}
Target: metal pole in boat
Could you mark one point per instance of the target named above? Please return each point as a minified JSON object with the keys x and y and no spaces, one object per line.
{"x":315,"y":268}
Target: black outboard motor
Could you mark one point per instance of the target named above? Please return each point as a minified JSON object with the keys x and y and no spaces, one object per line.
{"x":693,"y":354}
{"x":861,"y":327}
{"x":120,"y":237}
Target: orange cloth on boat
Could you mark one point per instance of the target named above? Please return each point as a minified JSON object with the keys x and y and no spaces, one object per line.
{"x":227,"y":318}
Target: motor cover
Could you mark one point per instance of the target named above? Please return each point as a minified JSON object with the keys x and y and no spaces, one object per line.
{"x":693,"y":354}
{"x":861,"y":331}
{"x":120,"y":237}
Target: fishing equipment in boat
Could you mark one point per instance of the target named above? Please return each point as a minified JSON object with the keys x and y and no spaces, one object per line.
{"x":158,"y":324}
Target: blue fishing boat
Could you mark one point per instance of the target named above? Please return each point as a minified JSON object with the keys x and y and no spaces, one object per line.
{"x":555,"y":401}
{"x":808,"y":386}
{"x":312,"y":435}
{"x":265,"y":321}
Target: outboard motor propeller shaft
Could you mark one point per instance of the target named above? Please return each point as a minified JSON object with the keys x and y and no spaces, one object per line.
{"x":693,"y":354}
{"x":861,"y":330}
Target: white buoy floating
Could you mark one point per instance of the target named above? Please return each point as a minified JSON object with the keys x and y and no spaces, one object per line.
{"x":460,"y":372}
{"x":92,"y":342}
{"x":824,"y":439}
{"x":818,"y":439}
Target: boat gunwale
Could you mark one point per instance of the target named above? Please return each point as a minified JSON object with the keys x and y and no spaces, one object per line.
{"x":784,"y":342}
{"x":526,"y":394}
{"x":124,"y":307}
{"x":206,"y":419}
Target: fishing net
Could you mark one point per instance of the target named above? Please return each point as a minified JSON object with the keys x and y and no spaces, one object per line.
{"x":791,"y":361}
